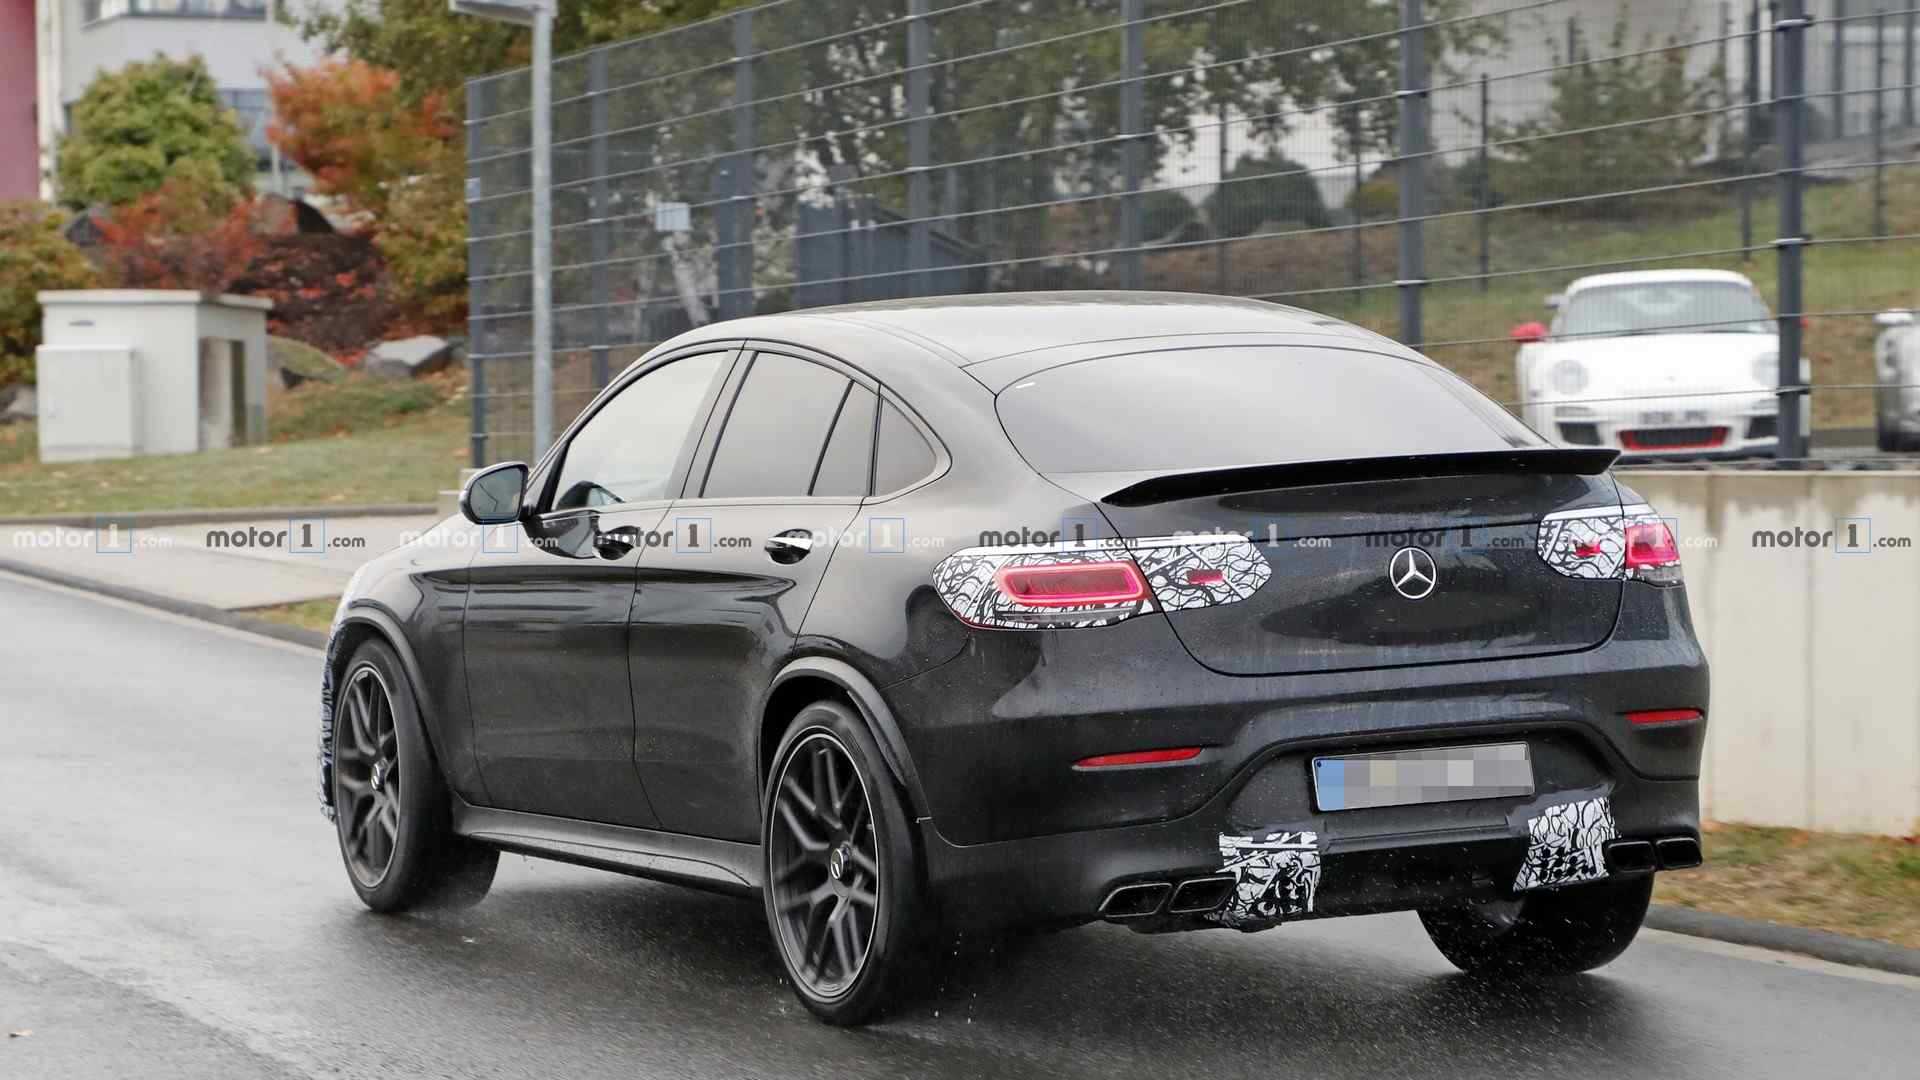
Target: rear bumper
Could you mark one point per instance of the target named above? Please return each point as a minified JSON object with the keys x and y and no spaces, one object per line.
{"x":1367,"y":861}
{"x":1016,"y":835}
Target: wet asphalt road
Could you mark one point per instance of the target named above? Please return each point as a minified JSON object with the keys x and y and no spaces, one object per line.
{"x":171,"y":904}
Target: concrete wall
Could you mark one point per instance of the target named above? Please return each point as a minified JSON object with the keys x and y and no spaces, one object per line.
{"x":1815,"y":646}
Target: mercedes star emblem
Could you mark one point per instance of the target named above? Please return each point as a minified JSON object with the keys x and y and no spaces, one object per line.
{"x":1411,"y":573}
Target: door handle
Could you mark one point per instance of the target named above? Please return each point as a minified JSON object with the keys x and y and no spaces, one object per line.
{"x":790,"y":546}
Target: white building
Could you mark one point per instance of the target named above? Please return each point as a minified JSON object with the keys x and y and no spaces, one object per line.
{"x":76,"y":40}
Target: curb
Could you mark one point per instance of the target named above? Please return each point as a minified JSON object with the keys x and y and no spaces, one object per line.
{"x":1819,"y":944}
{"x":313,"y":639}
{"x":155,"y":518}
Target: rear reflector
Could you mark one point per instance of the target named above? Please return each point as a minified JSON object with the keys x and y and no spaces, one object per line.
{"x":1206,"y":575}
{"x":1138,"y":757}
{"x":1072,"y":584}
{"x":1656,"y":717}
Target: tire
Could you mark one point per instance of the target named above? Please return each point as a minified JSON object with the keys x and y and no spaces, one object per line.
{"x":400,"y":851}
{"x":842,"y":892}
{"x":1562,"y":932}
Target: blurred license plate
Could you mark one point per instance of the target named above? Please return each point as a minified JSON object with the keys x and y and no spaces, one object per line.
{"x":1403,"y":777}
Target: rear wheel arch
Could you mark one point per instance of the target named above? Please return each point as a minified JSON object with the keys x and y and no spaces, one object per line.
{"x":813,"y":678}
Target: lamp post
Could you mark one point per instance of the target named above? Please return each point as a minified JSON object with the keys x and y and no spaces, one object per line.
{"x":537,"y":14}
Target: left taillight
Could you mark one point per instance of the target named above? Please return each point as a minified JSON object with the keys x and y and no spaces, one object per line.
{"x":1055,"y":585}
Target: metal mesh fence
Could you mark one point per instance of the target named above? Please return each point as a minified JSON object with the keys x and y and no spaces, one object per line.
{"x":1432,"y":169}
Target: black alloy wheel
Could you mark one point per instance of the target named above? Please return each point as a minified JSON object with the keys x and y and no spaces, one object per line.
{"x":824,"y":866}
{"x":366,"y":776}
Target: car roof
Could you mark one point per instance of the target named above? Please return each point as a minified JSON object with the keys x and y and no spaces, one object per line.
{"x":976,"y":328}
{"x":1657,"y":277}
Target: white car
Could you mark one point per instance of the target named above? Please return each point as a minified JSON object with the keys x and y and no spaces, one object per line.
{"x":1896,"y":367}
{"x":1655,"y":363}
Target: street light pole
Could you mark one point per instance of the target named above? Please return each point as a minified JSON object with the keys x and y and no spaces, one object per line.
{"x":538,"y":15}
{"x":542,"y":230}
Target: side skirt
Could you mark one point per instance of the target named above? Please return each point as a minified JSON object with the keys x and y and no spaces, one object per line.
{"x":720,"y":865}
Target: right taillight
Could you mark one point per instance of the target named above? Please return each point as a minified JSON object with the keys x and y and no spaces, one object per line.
{"x":1631,"y":542}
{"x":1651,"y":552}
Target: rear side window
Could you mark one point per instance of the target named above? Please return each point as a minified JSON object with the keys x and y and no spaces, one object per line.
{"x":776,"y":429}
{"x":847,"y":464}
{"x":901,"y":454}
{"x":1186,"y":410}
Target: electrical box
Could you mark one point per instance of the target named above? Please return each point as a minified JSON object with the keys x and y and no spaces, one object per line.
{"x":89,"y":402}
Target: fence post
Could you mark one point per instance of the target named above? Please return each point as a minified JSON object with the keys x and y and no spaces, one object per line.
{"x":1880,"y":122}
{"x":1839,"y":61}
{"x":1412,"y":173}
{"x":1751,"y":143}
{"x":1133,"y":68}
{"x":476,"y":364}
{"x":1790,"y":122}
{"x":1907,"y":67}
{"x":919,"y":194}
{"x":1485,"y":192}
{"x":602,"y":239}
{"x":1221,"y":166}
{"x":735,"y":230}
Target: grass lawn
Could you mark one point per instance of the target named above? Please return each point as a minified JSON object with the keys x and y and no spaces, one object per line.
{"x":356,"y":441}
{"x":1864,"y":886}
{"x":307,"y":614}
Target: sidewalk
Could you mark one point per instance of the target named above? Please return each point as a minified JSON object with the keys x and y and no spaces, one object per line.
{"x":231,"y":565}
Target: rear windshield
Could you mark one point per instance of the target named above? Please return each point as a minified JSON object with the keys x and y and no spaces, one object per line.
{"x":1185,"y":410}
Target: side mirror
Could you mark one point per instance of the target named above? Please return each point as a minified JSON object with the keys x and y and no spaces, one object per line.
{"x":492,"y":496}
{"x":1556,"y":301}
{"x":1529,"y":332}
{"x":1890,"y":319}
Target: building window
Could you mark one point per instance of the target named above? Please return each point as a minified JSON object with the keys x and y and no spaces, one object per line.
{"x":253,"y":108}
{"x":97,"y":10}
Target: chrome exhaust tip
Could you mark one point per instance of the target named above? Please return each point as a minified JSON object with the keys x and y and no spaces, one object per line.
{"x":1135,"y":901}
{"x":1630,"y":857}
{"x":1200,"y":895}
{"x":1678,"y":852}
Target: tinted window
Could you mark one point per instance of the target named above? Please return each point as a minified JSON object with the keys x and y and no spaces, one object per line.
{"x":902,"y":456}
{"x":1214,"y":408}
{"x":849,"y":456}
{"x":776,"y":429}
{"x":627,"y":451}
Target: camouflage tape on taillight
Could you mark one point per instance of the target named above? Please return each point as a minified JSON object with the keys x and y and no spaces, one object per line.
{"x":1590,"y":544}
{"x":1182,"y":572}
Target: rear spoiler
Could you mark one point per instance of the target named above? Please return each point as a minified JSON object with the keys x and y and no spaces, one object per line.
{"x":1205,"y":482}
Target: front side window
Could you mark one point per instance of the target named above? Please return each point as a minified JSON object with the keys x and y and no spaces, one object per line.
{"x":627,"y":451}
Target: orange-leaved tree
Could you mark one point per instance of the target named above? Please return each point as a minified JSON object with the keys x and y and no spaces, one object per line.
{"x":396,"y":161}
{"x":192,"y":232}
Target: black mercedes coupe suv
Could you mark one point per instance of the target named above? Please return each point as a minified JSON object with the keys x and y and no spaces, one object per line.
{"x":1030,"y":610}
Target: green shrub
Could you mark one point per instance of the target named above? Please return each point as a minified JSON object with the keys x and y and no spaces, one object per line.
{"x":34,"y":255}
{"x":134,"y":128}
{"x":1272,"y":188}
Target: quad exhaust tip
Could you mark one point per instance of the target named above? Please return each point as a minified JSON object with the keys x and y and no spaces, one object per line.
{"x":1200,"y":895}
{"x":1630,"y":857}
{"x":1135,"y":901}
{"x":1678,"y":852}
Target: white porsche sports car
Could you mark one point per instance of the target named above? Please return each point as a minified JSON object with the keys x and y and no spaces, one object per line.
{"x":1896,"y":353}
{"x":1655,"y":363}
